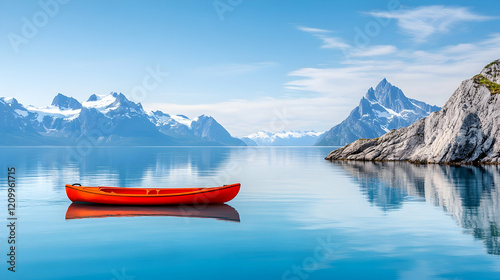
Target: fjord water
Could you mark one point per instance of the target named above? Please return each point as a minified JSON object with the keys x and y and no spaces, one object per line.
{"x":300,"y":217}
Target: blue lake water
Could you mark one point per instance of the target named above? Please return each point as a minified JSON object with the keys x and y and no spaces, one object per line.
{"x":297,"y":216}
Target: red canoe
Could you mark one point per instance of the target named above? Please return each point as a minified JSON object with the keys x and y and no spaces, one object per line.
{"x":151,"y":196}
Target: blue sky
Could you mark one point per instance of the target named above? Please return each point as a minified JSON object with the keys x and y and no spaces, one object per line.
{"x":272,"y":65}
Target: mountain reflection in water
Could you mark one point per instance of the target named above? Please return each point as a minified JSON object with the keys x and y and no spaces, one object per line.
{"x":466,"y":193}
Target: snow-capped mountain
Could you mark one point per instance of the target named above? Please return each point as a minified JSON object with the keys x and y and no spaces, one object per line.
{"x":64,"y":102}
{"x":204,"y":127}
{"x":109,"y":119}
{"x":284,"y":138}
{"x":17,"y":125}
{"x":379,"y":111}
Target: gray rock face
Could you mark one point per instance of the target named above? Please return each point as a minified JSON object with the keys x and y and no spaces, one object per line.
{"x":465,"y":130}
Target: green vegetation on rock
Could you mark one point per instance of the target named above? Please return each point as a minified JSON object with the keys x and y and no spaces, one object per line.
{"x":491,"y":63}
{"x":494,"y":88}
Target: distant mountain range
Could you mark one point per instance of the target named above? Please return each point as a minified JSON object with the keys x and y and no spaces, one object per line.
{"x":379,"y":111}
{"x":104,"y":120}
{"x":284,"y":138}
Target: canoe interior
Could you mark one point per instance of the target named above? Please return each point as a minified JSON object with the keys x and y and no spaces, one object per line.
{"x":144,"y":191}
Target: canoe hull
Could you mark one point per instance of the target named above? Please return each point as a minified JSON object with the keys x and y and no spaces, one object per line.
{"x":138,"y":196}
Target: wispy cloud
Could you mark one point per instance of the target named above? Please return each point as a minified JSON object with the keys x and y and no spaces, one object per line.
{"x":425,"y":21}
{"x":312,"y":29}
{"x":329,"y":42}
{"x":332,"y":42}
{"x":442,"y":69}
{"x":375,"y":51}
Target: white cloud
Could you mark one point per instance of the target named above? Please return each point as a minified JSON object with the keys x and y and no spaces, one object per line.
{"x":375,"y":51}
{"x":312,"y":29}
{"x":428,"y":76}
{"x":332,"y":42}
{"x":340,"y":82}
{"x":328,"y":42}
{"x":425,"y":21}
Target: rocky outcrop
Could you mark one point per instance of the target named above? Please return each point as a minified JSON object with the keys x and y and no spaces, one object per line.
{"x":465,"y":130}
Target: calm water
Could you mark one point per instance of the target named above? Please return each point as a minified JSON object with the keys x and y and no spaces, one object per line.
{"x":297,"y":217}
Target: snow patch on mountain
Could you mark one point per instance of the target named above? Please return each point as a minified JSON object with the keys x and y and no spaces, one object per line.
{"x":100,"y":102}
{"x":53,"y":112}
{"x":7,"y":100}
{"x":182,"y":120}
{"x":21,"y":113}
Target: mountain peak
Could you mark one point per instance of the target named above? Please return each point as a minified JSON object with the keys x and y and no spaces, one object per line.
{"x":97,"y":97}
{"x":370,"y":95}
{"x":204,"y":117}
{"x":64,"y":102}
{"x":383,"y":84}
{"x":391,"y":97}
{"x":160,"y":113}
{"x":119,"y":96}
{"x":9,"y":100}
{"x":380,"y":110}
{"x":93,"y":97}
{"x":121,"y":102}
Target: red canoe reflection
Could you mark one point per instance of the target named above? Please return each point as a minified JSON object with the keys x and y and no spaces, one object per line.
{"x":216,"y":211}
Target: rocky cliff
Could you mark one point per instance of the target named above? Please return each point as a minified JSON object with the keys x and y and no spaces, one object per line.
{"x":465,"y":130}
